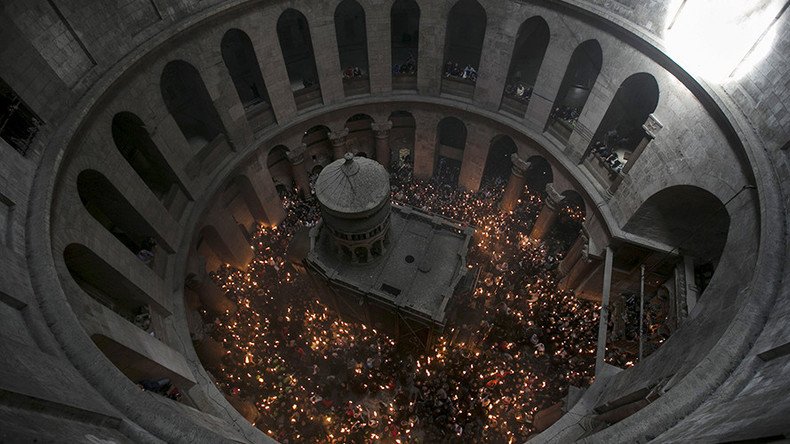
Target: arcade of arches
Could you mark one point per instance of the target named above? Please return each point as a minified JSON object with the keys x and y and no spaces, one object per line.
{"x":621,"y":282}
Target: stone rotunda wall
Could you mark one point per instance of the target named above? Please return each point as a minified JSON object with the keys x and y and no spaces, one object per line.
{"x":163,"y":67}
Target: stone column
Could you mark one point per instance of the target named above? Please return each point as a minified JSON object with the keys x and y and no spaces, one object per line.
{"x":603,"y":320}
{"x":651,"y":127}
{"x":574,"y":254}
{"x":264,"y":202}
{"x":577,"y":276}
{"x":338,"y":139}
{"x":296,"y":157}
{"x":515,"y":184}
{"x":548,"y":214}
{"x":381,"y":131}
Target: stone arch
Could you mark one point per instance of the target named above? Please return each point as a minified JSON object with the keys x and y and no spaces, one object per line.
{"x":450,"y":144}
{"x":296,"y":44}
{"x":190,"y":103}
{"x":318,"y":147}
{"x":280,"y":168}
{"x":360,"y":135}
{"x":405,"y":32}
{"x":241,"y":61}
{"x":104,"y":284}
{"x":620,"y":130}
{"x":498,"y":161}
{"x":579,"y":79}
{"x":685,"y":217}
{"x":352,"y":46}
{"x":463,"y":45}
{"x":530,"y":48}
{"x":133,"y":141}
{"x":109,"y":207}
{"x":402,"y":137}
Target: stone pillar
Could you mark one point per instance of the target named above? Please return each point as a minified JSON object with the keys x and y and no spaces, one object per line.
{"x":264,"y":202}
{"x":548,"y":214}
{"x":651,"y":127}
{"x":574,"y":254}
{"x":214,"y":299}
{"x":338,"y":139}
{"x":296,"y":157}
{"x":227,"y":241}
{"x":515,"y":184}
{"x":603,"y":320}
{"x":578,"y":274}
{"x":381,"y":131}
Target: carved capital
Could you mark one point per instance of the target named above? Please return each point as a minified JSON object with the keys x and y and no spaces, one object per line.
{"x":553,"y":198}
{"x":296,"y":155}
{"x":652,"y":126}
{"x":338,"y":138}
{"x":520,"y":166}
{"x":381,"y":130}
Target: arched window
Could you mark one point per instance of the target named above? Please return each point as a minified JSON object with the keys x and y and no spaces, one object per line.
{"x":450,"y":144}
{"x":620,"y":131}
{"x":110,"y":208}
{"x":190,"y":104}
{"x":402,"y":138}
{"x":18,"y":123}
{"x":280,"y":169}
{"x":242,"y":63}
{"x":296,"y":44}
{"x":572,"y":212}
{"x":105,"y":284}
{"x":539,"y":174}
{"x":531,"y":43}
{"x":318,"y":147}
{"x":405,"y":30}
{"x":360,"y":139}
{"x":688,"y":218}
{"x":352,"y":45}
{"x":466,"y":28}
{"x":498,"y":162}
{"x":578,"y":81}
{"x":135,"y":145}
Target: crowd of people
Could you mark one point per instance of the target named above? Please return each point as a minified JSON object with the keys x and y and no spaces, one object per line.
{"x":454,"y":70}
{"x":606,"y":147}
{"x":353,"y":72}
{"x":519,"y":90}
{"x":569,"y":114}
{"x":407,"y":68}
{"x":512,"y":346}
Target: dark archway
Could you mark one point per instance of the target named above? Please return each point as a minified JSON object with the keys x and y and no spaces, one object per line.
{"x":539,"y":174}
{"x":105,"y":284}
{"x":190,"y":104}
{"x":296,"y":44}
{"x":280,"y":169}
{"x":360,"y":135}
{"x":405,"y":33}
{"x":402,"y":138}
{"x":110,"y":208}
{"x":450,"y":144}
{"x":498,"y":162}
{"x":463,"y":47}
{"x":686,"y":217}
{"x":245,"y":71}
{"x":135,"y":145}
{"x":352,"y":46}
{"x":579,"y":79}
{"x":531,"y":43}
{"x":318,"y":146}
{"x":621,"y":129}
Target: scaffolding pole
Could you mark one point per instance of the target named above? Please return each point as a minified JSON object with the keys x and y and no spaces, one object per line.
{"x":641,"y":308}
